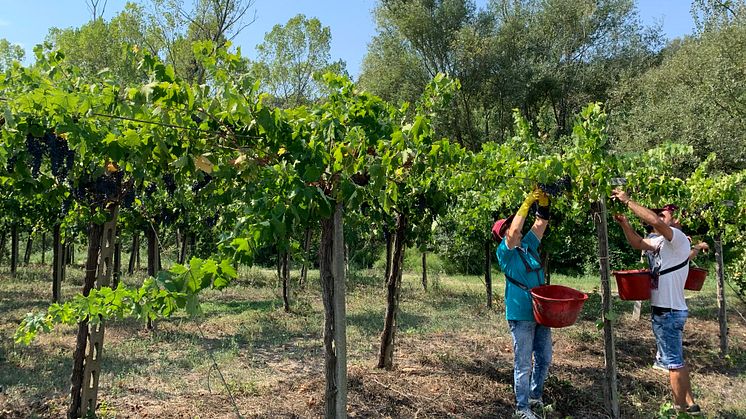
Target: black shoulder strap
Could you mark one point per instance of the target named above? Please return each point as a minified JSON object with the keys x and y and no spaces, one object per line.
{"x":674,"y":268}
{"x":517,"y":284}
{"x":529,"y":269}
{"x":525,"y":262}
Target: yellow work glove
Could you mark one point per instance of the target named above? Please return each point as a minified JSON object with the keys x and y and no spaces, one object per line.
{"x":543,"y":198}
{"x":530,"y":199}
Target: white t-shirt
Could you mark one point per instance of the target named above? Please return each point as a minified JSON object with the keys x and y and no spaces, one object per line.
{"x":670,"y":291}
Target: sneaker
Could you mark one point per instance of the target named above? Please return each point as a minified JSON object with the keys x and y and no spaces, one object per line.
{"x":524,"y":414}
{"x":658,"y":366}
{"x":536,"y":405}
{"x":693,"y":410}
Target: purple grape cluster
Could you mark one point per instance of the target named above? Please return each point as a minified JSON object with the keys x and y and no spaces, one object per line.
{"x":129,"y":198}
{"x":558,"y":187}
{"x":104,"y":188}
{"x":65,"y":207}
{"x":168,"y":180}
{"x":61,"y":157}
{"x":11,"y":164}
{"x":36,"y":150}
{"x":211,"y":221}
{"x":198,"y":185}
{"x":150,"y":189}
{"x":166,"y":217}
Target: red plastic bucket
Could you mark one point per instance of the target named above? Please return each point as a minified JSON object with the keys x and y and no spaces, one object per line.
{"x":695,"y":279}
{"x":633,"y":285}
{"x":556,"y":305}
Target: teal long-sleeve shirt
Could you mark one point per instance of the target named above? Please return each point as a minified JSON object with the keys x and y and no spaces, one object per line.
{"x":517,"y":300}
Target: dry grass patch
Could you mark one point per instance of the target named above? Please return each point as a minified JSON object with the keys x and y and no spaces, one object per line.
{"x":453,"y":357}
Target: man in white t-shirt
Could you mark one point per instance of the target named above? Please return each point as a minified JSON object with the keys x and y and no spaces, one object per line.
{"x":668,"y":251}
{"x":667,"y":213}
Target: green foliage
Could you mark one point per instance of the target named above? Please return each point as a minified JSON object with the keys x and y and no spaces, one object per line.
{"x":9,"y":53}
{"x":694,"y":97}
{"x":667,"y":411}
{"x":174,"y":289}
{"x":736,"y":266}
{"x":547,"y":58}
{"x":290,"y":56}
{"x":99,"y":46}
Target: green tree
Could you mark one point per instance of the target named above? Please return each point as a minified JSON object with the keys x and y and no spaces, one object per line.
{"x":177,"y":26}
{"x":290,"y":56}
{"x":546,"y":58}
{"x":99,"y":45}
{"x":695,"y":97}
{"x":9,"y":53}
{"x":417,"y":40}
{"x":715,"y":14}
{"x":558,"y":55}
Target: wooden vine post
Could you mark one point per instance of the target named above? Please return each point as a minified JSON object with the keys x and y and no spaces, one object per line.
{"x":90,"y":340}
{"x":340,"y":312}
{"x":58,"y":263}
{"x":424,"y":270}
{"x":722,"y":315}
{"x":117,"y":262}
{"x":611,"y":395}
{"x":488,"y":270}
{"x":13,"y":249}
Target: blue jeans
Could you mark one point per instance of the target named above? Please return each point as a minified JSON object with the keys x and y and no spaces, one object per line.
{"x":530,"y":338}
{"x":668,"y":329}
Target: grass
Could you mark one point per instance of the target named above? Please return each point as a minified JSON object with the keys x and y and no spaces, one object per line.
{"x":453,"y":355}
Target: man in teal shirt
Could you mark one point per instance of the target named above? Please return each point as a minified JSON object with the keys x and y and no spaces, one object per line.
{"x":519,"y":260}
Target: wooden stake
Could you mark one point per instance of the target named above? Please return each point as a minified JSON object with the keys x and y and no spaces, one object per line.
{"x":488,"y":271}
{"x":637,"y":310}
{"x":13,"y":249}
{"x":611,"y":395}
{"x":722,"y":314}
{"x":340,"y":312}
{"x":58,"y":263}
{"x":424,"y":270}
{"x":104,"y":269}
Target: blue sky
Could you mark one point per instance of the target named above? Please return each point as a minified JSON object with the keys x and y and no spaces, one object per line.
{"x":351,"y":21}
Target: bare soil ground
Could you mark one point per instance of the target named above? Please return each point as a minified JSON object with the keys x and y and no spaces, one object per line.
{"x":453,"y":357}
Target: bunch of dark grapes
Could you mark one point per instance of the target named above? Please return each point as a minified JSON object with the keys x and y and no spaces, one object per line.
{"x":129,"y":198}
{"x":201,"y":183}
{"x":117,"y":176}
{"x":11,"y":164}
{"x":60,"y":163}
{"x":168,"y":180}
{"x":105,"y":188}
{"x":66,"y":204}
{"x":99,"y":191}
{"x":80,"y":191}
{"x":36,"y":150}
{"x":210,"y":221}
{"x":70,"y":160}
{"x":556,"y":188}
{"x":150,"y":189}
{"x":166,"y":217}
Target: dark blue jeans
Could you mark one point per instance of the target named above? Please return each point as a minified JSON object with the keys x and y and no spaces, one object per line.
{"x":530,"y":340}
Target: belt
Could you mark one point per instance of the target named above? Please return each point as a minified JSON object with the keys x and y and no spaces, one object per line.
{"x":660,"y":310}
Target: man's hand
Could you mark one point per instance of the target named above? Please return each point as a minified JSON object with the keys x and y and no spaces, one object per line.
{"x":701,"y":246}
{"x":620,"y":195}
{"x":621,"y":219}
